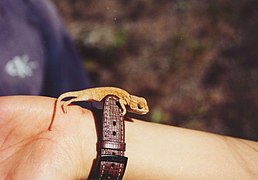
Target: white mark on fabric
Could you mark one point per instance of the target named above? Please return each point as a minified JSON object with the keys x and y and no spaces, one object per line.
{"x":21,"y":66}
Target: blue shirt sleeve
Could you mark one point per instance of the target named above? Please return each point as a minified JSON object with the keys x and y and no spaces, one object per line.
{"x":37,"y":55}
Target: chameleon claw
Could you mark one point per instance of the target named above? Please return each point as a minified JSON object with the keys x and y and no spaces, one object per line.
{"x":64,"y":108}
{"x":124,"y":112}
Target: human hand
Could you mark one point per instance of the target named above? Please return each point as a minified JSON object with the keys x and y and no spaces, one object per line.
{"x":28,"y":150}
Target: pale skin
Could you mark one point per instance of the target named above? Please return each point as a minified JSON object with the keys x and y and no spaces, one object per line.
{"x":28,"y":150}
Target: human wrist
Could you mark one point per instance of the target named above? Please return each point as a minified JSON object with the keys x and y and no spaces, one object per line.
{"x":79,"y":124}
{"x":87,"y":141}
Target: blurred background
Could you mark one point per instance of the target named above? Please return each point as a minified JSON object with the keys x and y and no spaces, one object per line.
{"x":196,"y":62}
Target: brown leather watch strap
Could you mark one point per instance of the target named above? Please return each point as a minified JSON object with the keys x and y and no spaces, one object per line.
{"x":110,"y":162}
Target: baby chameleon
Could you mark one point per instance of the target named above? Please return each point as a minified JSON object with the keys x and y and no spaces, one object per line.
{"x":134,"y":104}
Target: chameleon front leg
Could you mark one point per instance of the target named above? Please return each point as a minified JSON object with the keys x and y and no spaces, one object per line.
{"x":122,"y":104}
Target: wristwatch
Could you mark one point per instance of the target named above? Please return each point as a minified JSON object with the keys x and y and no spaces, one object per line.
{"x":110,"y":162}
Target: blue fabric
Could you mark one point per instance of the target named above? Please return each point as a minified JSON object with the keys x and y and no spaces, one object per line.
{"x":37,"y":56}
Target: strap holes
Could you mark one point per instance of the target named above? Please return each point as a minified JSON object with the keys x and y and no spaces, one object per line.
{"x":114,"y":123}
{"x":114,"y":133}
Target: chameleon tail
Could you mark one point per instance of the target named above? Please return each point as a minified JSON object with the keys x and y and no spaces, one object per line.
{"x":58,"y":105}
{"x":50,"y":128}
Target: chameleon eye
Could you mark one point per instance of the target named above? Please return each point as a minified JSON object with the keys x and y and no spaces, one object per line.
{"x":140,"y":106}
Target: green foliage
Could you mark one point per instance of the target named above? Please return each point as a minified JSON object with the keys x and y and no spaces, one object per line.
{"x":120,"y":39}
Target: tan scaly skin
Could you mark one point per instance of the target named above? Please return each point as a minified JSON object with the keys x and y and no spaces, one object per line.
{"x":134,"y":104}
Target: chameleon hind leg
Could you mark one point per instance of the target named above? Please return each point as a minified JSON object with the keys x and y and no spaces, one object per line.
{"x":67,"y":103}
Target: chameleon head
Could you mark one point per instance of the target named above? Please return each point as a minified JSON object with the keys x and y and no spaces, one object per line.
{"x":138,"y":105}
